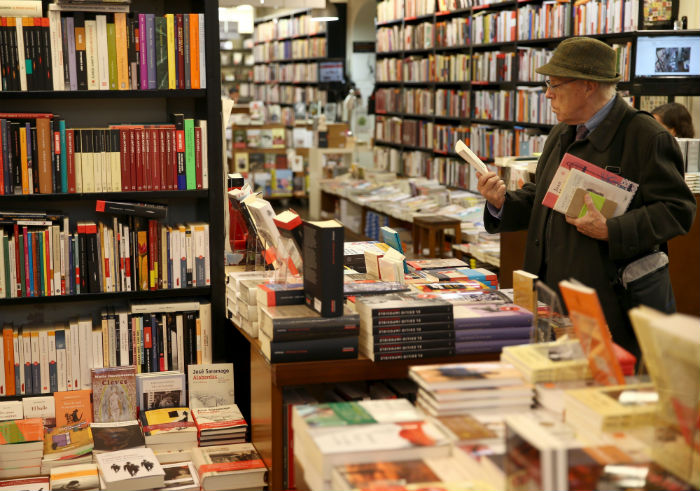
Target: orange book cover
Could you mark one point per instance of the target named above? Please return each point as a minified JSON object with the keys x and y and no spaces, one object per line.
{"x":73,"y":406}
{"x":21,"y":431}
{"x":9,"y":354}
{"x":592,"y":331}
{"x":194,"y":50}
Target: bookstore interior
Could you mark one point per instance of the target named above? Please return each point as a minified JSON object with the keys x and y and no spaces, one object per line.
{"x":331,"y":246}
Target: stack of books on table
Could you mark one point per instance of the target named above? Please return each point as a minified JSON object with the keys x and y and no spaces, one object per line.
{"x":110,"y":437}
{"x":66,"y":446}
{"x":229,"y":467}
{"x":234,"y":299}
{"x":358,"y":432}
{"x":84,"y":477}
{"x":219,"y":425}
{"x":487,"y":328}
{"x":133,"y":469}
{"x":170,"y":433}
{"x":462,"y":388}
{"x":401,"y":326}
{"x":21,"y":447}
{"x":297,"y":333}
{"x":555,"y":361}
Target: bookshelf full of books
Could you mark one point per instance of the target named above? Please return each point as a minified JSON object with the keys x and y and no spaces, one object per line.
{"x":465,"y":69}
{"x":289,"y":50}
{"x":105,"y":170}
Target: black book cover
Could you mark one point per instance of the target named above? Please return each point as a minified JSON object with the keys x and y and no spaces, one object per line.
{"x":80,"y":55}
{"x":14,"y":59}
{"x":161,"y":27}
{"x":56,"y":155}
{"x":379,"y":339}
{"x":132,"y":54}
{"x":47,"y":69}
{"x":4,"y":58}
{"x":83,"y":259}
{"x":148,"y":210}
{"x":414,"y":355}
{"x":66,"y":56}
{"x":93,"y":258}
{"x":423,"y":328}
{"x":28,"y":38}
{"x":16,"y":158}
{"x":157,"y":351}
{"x":179,"y":121}
{"x":33,"y":159}
{"x":323,"y":267}
{"x":77,"y":157}
{"x":37,"y":68}
{"x":131,"y":340}
{"x":412,"y":319}
{"x":190,"y":328}
{"x":6,"y":156}
{"x":113,"y":318}
{"x":171,"y":330}
{"x":409,"y":345}
{"x":313,"y":349}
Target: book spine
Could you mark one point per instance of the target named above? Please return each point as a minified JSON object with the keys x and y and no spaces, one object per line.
{"x":186,"y":49}
{"x":121,"y":47}
{"x":112,"y":63}
{"x":190,"y":164}
{"x":414,"y":355}
{"x":57,"y":61}
{"x":161,"y":43}
{"x":202,"y":54}
{"x":315,"y":349}
{"x":80,"y":50}
{"x":194,"y":50}
{"x":180,"y":48}
{"x":170,"y":55}
{"x":151,"y":50}
{"x":143,"y":52}
{"x":102,"y":49}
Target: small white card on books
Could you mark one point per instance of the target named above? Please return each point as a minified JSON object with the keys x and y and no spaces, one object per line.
{"x":40,"y":407}
{"x":210,"y":385}
{"x":11,"y":410}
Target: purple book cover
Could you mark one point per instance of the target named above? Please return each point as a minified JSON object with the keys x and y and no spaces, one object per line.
{"x":151,"y":49}
{"x":143,"y":53}
{"x":72,"y":69}
{"x":489,"y":315}
{"x":493,"y":333}
{"x":493,"y":346}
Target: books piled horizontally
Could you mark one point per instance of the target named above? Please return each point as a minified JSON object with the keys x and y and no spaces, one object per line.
{"x":234,"y":298}
{"x":228,"y":467}
{"x":219,"y":425}
{"x":169,"y":432}
{"x":555,"y":361}
{"x":21,"y":446}
{"x":327,"y":435}
{"x":110,"y":437}
{"x":67,"y":445}
{"x":460,"y":388}
{"x":401,"y":326}
{"x":132,"y":469}
{"x":82,"y":477}
{"x":487,"y":328}
{"x":298,"y":333}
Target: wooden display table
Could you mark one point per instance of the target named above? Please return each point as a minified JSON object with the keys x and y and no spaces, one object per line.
{"x":267,"y":382}
{"x":431,"y":229}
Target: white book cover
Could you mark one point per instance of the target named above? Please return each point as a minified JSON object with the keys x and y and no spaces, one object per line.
{"x":13,"y":269}
{"x":88,"y":171}
{"x":203,"y":125}
{"x":40,"y":407}
{"x":56,"y":50}
{"x":181,"y":476}
{"x":91,"y":56}
{"x":11,"y":409}
{"x":148,"y":308}
{"x":97,"y":351}
{"x":180,"y":330}
{"x":27,"y":360}
{"x":160,"y":390}
{"x":127,"y":258}
{"x":61,"y":359}
{"x":20,"y":54}
{"x":44,"y":360}
{"x":102,"y":56}
{"x":202,"y":55}
{"x":70,"y":361}
{"x":85,"y":351}
{"x":164,"y":336}
{"x":205,"y":320}
{"x":210,"y":385}
{"x":175,"y":248}
{"x":51,"y":366}
{"x":36,"y":362}
{"x":76,"y":476}
{"x":211,"y":418}
{"x":3,"y":288}
{"x":138,"y":464}
{"x":112,"y":338}
{"x":122,"y":319}
{"x":577,"y":179}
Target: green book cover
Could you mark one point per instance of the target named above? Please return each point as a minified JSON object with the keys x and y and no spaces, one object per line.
{"x":161,"y":26}
{"x":335,"y":414}
{"x":190,"y":171}
{"x":598,"y":202}
{"x":112,"y":55}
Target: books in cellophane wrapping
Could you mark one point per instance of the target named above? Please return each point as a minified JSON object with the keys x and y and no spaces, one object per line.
{"x":114,"y":394}
{"x":66,"y":445}
{"x":329,"y":434}
{"x":169,"y":429}
{"x":460,"y":388}
{"x":555,"y":361}
{"x":224,"y":467}
{"x":84,"y":477}
{"x":21,"y":445}
{"x":130,"y":470}
{"x":219,"y":425}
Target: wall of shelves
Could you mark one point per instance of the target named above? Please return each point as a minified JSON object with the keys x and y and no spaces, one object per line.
{"x":428,"y":77}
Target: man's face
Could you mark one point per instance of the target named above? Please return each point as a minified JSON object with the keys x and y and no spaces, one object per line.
{"x":569,"y":99}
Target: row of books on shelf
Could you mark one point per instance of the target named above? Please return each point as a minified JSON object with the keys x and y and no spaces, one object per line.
{"x":286,"y":72}
{"x":40,"y":155}
{"x":284,"y":27}
{"x":103,"y":52}
{"x":147,"y":337}
{"x":294,"y":49}
{"x":272,"y":94}
{"x":43,"y":255}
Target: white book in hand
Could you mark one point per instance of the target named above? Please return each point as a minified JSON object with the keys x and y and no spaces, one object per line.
{"x":470,"y":157}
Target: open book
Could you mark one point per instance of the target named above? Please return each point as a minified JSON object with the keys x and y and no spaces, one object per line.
{"x":466,"y":153}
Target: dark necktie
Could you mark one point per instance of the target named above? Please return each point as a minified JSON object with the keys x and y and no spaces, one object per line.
{"x":581,"y":132}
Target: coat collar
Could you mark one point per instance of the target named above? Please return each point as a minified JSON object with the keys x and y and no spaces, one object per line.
{"x":601,"y":138}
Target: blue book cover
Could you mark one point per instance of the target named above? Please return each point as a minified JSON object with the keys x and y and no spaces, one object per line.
{"x":64,"y":164}
{"x":27,"y":369}
{"x":36,"y":367}
{"x":151,"y":49}
{"x":392,"y":239}
{"x":30,"y":255}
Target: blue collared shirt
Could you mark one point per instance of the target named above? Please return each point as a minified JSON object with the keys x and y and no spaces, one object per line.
{"x":591,"y":124}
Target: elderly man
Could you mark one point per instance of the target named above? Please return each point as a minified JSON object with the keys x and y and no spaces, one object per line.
{"x":597,"y":125}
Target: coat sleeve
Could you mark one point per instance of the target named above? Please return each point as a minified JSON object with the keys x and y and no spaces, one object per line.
{"x":516,"y":211}
{"x":664,"y":206}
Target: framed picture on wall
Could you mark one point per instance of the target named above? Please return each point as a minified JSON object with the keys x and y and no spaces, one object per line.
{"x":659,"y":14}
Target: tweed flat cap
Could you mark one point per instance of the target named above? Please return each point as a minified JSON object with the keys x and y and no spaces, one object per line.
{"x":582,"y":58}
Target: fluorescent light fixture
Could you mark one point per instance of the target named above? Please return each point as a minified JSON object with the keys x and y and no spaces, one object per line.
{"x":328,"y":14}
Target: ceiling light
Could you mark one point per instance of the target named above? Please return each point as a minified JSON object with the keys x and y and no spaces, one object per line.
{"x":328,"y":14}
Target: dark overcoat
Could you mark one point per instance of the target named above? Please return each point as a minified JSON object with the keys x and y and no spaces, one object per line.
{"x":663,"y":207}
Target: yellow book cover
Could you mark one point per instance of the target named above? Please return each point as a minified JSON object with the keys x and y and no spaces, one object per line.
{"x":64,"y":442}
{"x":23,"y":159}
{"x":142,"y":244}
{"x":166,"y":420}
{"x":524,"y":291}
{"x":122,"y":54}
{"x":170,"y":26}
{"x":549,"y":362}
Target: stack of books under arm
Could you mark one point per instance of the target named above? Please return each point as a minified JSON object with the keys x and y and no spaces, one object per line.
{"x":170,"y":433}
{"x":21,"y":446}
{"x":219,"y":425}
{"x":474,"y":388}
{"x":330,"y":434}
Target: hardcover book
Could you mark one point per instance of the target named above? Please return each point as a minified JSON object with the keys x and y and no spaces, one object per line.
{"x":114,"y":394}
{"x":210,"y":385}
{"x":296,"y":322}
{"x":323,"y":267}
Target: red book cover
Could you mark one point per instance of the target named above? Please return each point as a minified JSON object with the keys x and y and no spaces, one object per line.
{"x":35,"y":263}
{"x":146,"y":157}
{"x":198,"y":156}
{"x":133,"y":159}
{"x":162,"y":159}
{"x":154,"y":146}
{"x":124,"y":160}
{"x":70,"y":159}
{"x":173,"y":157}
{"x":139,"y":159}
{"x":167,"y":162}
{"x":180,"y":48}
{"x":47,"y":265}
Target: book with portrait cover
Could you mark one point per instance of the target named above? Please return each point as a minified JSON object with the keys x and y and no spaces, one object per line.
{"x":160,"y":389}
{"x":114,"y":394}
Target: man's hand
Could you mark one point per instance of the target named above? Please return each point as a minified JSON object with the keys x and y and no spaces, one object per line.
{"x":593,"y":223}
{"x":492,"y":188}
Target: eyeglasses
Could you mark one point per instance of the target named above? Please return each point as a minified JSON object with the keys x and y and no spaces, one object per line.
{"x":550,"y":86}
